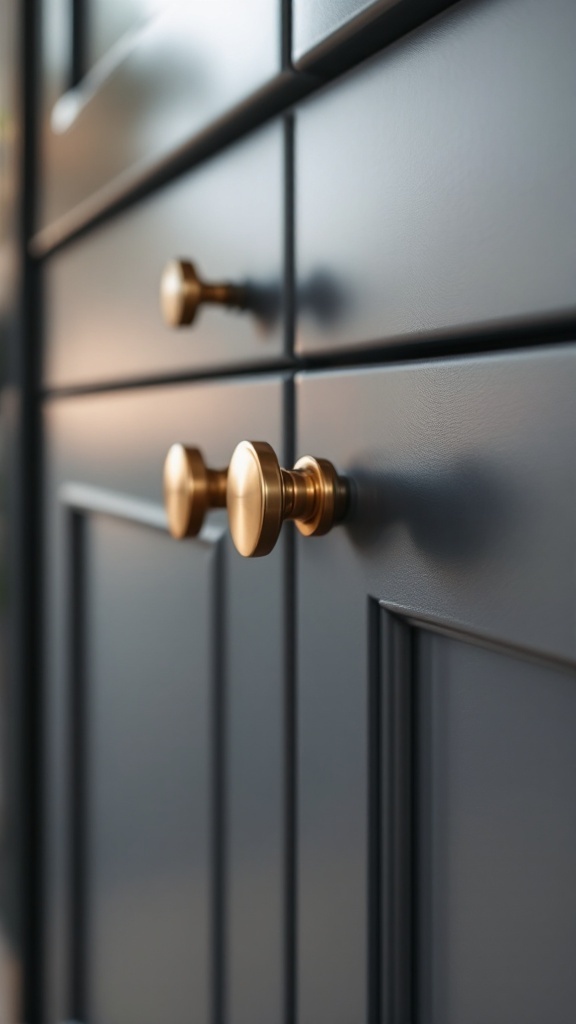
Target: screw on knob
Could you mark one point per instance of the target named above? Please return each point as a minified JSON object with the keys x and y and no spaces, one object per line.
{"x":190,"y":489}
{"x":260,"y":495}
{"x":182,"y":292}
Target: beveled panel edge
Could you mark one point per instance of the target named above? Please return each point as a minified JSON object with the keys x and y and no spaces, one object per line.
{"x":83,"y":498}
{"x":419,"y":620}
{"x":365,"y":34}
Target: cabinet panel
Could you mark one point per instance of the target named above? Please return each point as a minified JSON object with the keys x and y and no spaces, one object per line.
{"x":436,"y":700}
{"x":150,"y":628}
{"x":434,"y":185}
{"x":158,"y":848}
{"x":103,"y":319}
{"x":164,"y":80}
{"x":497,"y":834}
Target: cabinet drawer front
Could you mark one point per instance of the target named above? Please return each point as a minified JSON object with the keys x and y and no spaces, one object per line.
{"x":436,"y":699}
{"x":164,"y":81}
{"x":435,"y":185}
{"x":103,"y":319}
{"x":164,"y":706}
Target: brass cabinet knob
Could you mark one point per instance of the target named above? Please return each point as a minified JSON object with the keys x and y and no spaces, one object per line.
{"x":260,"y":495}
{"x":190,"y":489}
{"x":182,"y":292}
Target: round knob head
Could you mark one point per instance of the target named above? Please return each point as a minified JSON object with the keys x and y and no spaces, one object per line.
{"x":186,"y":491}
{"x":254,"y":498}
{"x":180,"y":293}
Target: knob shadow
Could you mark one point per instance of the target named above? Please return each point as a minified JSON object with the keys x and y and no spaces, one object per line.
{"x":264,"y":302}
{"x":452,"y":514}
{"x":323,"y":298}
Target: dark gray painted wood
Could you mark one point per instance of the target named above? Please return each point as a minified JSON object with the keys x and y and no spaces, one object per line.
{"x":177,"y":857}
{"x":148,"y":682}
{"x":163,"y":83}
{"x":496,"y":864}
{"x":434,"y":185}
{"x":462,"y":526}
{"x":103,"y":319}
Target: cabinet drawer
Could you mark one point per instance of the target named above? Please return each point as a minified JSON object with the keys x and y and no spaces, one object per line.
{"x":165,"y":774}
{"x":435,"y":185}
{"x":103,"y":319}
{"x":147,"y":85}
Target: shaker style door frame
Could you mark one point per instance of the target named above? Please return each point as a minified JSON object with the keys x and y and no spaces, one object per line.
{"x":436,"y":696}
{"x":166,"y":691}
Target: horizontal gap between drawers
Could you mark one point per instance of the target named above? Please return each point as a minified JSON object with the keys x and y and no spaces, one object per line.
{"x":517,"y":338}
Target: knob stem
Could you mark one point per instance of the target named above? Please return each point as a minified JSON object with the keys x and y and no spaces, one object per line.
{"x":191,"y":489}
{"x":216,"y":487}
{"x":299,"y":494}
{"x":182,"y":292}
{"x":223,"y":295}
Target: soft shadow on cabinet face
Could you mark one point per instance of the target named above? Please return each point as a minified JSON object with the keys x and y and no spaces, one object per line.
{"x":321,"y":297}
{"x":264,"y":302}
{"x":452,"y":514}
{"x":324,"y":298}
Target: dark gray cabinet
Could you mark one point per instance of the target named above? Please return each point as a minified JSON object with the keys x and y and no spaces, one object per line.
{"x":436,"y":696}
{"x":165,"y":700}
{"x":332,"y":785}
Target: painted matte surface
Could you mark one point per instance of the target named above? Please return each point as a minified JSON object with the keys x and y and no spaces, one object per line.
{"x":463,"y":514}
{"x":103,"y":318}
{"x":150,"y":671}
{"x":186,"y":69}
{"x":150,"y":627}
{"x":434,"y":185}
{"x":498,"y":836}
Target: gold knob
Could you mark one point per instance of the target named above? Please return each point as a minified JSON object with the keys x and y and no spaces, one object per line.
{"x":182,"y":292}
{"x":260,"y":495}
{"x":190,"y":489}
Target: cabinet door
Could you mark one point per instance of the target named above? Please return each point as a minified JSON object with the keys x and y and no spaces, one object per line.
{"x":436,"y":695}
{"x":165,"y":771}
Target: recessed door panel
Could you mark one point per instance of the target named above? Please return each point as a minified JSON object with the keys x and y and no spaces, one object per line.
{"x":149,"y":667}
{"x":495,"y":848}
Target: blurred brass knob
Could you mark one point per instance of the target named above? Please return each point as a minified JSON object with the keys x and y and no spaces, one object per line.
{"x":182,"y":292}
{"x":190,"y":489}
{"x":260,"y":495}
